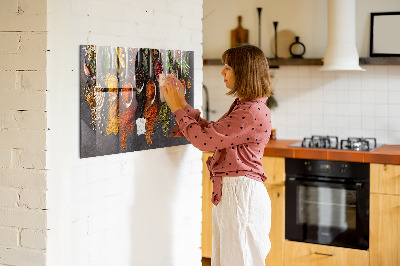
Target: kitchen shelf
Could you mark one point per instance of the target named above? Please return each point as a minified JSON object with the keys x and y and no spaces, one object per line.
{"x":274,"y":63}
{"x":380,"y":61}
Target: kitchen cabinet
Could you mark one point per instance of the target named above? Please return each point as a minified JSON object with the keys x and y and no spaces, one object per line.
{"x":206,"y":225}
{"x":385,"y":178}
{"x":385,"y":215}
{"x":274,"y":168}
{"x":305,"y":254}
{"x":384,"y":221}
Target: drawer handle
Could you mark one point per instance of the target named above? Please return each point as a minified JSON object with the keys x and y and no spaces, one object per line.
{"x":324,"y":254}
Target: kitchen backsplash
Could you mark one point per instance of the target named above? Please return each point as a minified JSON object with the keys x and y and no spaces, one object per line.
{"x":314,"y":102}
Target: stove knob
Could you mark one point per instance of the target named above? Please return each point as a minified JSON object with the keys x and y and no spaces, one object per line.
{"x":343,"y":168}
{"x":308,"y":166}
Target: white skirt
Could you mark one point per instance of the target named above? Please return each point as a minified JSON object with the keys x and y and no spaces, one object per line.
{"x":241,"y":223}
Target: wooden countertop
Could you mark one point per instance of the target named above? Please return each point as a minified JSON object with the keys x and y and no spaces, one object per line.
{"x":389,"y":154}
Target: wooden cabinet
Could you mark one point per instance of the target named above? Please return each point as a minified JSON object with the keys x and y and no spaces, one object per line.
{"x":304,"y":254}
{"x":385,"y":178}
{"x":385,"y":215}
{"x":277,"y":233}
{"x":206,"y":226}
{"x":384,"y":222}
{"x":274,"y":168}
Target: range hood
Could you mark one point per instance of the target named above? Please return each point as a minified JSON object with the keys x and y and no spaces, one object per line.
{"x":341,"y":51}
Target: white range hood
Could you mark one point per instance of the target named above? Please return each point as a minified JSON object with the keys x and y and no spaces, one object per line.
{"x":341,"y":51}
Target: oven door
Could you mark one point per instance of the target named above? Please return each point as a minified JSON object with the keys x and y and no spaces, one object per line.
{"x":327,"y":213}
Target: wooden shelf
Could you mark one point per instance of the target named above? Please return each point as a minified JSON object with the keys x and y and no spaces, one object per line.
{"x":380,"y":61}
{"x":274,"y":63}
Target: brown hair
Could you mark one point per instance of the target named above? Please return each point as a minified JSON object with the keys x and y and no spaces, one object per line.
{"x":250,"y":66}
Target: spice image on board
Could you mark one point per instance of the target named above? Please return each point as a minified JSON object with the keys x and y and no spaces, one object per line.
{"x":127,"y":112}
{"x":121,"y":107}
{"x":150,"y":111}
{"x":164,"y":118}
{"x":113,"y":114}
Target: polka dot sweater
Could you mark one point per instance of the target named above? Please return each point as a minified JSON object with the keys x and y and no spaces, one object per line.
{"x":238,"y":139}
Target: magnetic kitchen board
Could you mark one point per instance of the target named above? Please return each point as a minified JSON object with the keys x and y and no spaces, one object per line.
{"x":121,"y":106}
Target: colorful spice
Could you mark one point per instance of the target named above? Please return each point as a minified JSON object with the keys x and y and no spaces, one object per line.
{"x":175,"y":69}
{"x":127,"y":94}
{"x":140,"y":78}
{"x":159,"y":69}
{"x":185,"y":68}
{"x":113,"y":118}
{"x":99,"y":96}
{"x":113,"y":114}
{"x":127,"y":115}
{"x":145,"y":60}
{"x":182,"y":80}
{"x":189,"y":84}
{"x":155,"y":55}
{"x":150,"y":111}
{"x":163,"y":118}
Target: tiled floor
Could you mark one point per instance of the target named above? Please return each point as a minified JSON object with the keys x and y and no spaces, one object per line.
{"x":206,"y":261}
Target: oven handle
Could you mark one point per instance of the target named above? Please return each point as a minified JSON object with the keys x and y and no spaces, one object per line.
{"x":357,"y":185}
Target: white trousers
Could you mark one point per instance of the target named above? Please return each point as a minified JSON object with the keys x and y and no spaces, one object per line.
{"x":241,"y":223}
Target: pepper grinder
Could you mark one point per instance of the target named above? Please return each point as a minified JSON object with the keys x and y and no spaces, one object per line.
{"x":276,"y":38}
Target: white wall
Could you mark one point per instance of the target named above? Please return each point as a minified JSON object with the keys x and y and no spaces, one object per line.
{"x":306,"y":19}
{"x":311,"y":102}
{"x":23,"y":133}
{"x":140,"y":208}
{"x":343,"y":104}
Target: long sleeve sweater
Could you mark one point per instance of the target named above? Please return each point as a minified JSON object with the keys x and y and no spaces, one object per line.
{"x":238,"y":139}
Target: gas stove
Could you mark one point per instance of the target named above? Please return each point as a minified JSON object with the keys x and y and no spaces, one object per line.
{"x":332,"y":142}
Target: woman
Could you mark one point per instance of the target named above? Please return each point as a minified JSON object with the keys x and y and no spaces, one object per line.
{"x":242,"y":211}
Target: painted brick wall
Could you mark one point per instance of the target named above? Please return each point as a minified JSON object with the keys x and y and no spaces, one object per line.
{"x":140,"y":208}
{"x":23,"y":133}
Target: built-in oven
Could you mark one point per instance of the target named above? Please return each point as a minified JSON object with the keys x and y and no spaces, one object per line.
{"x":327,"y":202}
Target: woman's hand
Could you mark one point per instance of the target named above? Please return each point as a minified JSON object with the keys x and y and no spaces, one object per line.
{"x":174,"y":93}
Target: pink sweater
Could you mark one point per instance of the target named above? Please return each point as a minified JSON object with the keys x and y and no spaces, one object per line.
{"x":238,"y":139}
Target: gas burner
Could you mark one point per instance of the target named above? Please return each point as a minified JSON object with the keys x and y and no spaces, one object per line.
{"x":327,"y":142}
{"x":358,"y":144}
{"x":332,"y":142}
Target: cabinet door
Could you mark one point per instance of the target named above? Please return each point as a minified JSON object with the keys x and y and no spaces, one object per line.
{"x":206,"y":226}
{"x":385,"y":178}
{"x":274,"y":168}
{"x":277,"y":233}
{"x":304,"y":254}
{"x":384,"y":230}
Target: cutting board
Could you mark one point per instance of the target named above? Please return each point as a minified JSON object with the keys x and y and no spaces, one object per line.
{"x":239,"y":35}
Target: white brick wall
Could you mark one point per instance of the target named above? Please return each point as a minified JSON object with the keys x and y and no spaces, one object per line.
{"x":139,"y":208}
{"x":23,"y":132}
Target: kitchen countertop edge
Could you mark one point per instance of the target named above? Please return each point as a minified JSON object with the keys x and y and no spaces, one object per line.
{"x":385,"y":154}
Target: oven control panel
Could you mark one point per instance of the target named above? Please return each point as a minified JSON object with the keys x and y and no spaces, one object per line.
{"x":338,"y":169}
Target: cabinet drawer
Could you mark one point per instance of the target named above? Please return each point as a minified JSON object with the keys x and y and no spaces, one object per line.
{"x":297,"y":253}
{"x":385,"y":178}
